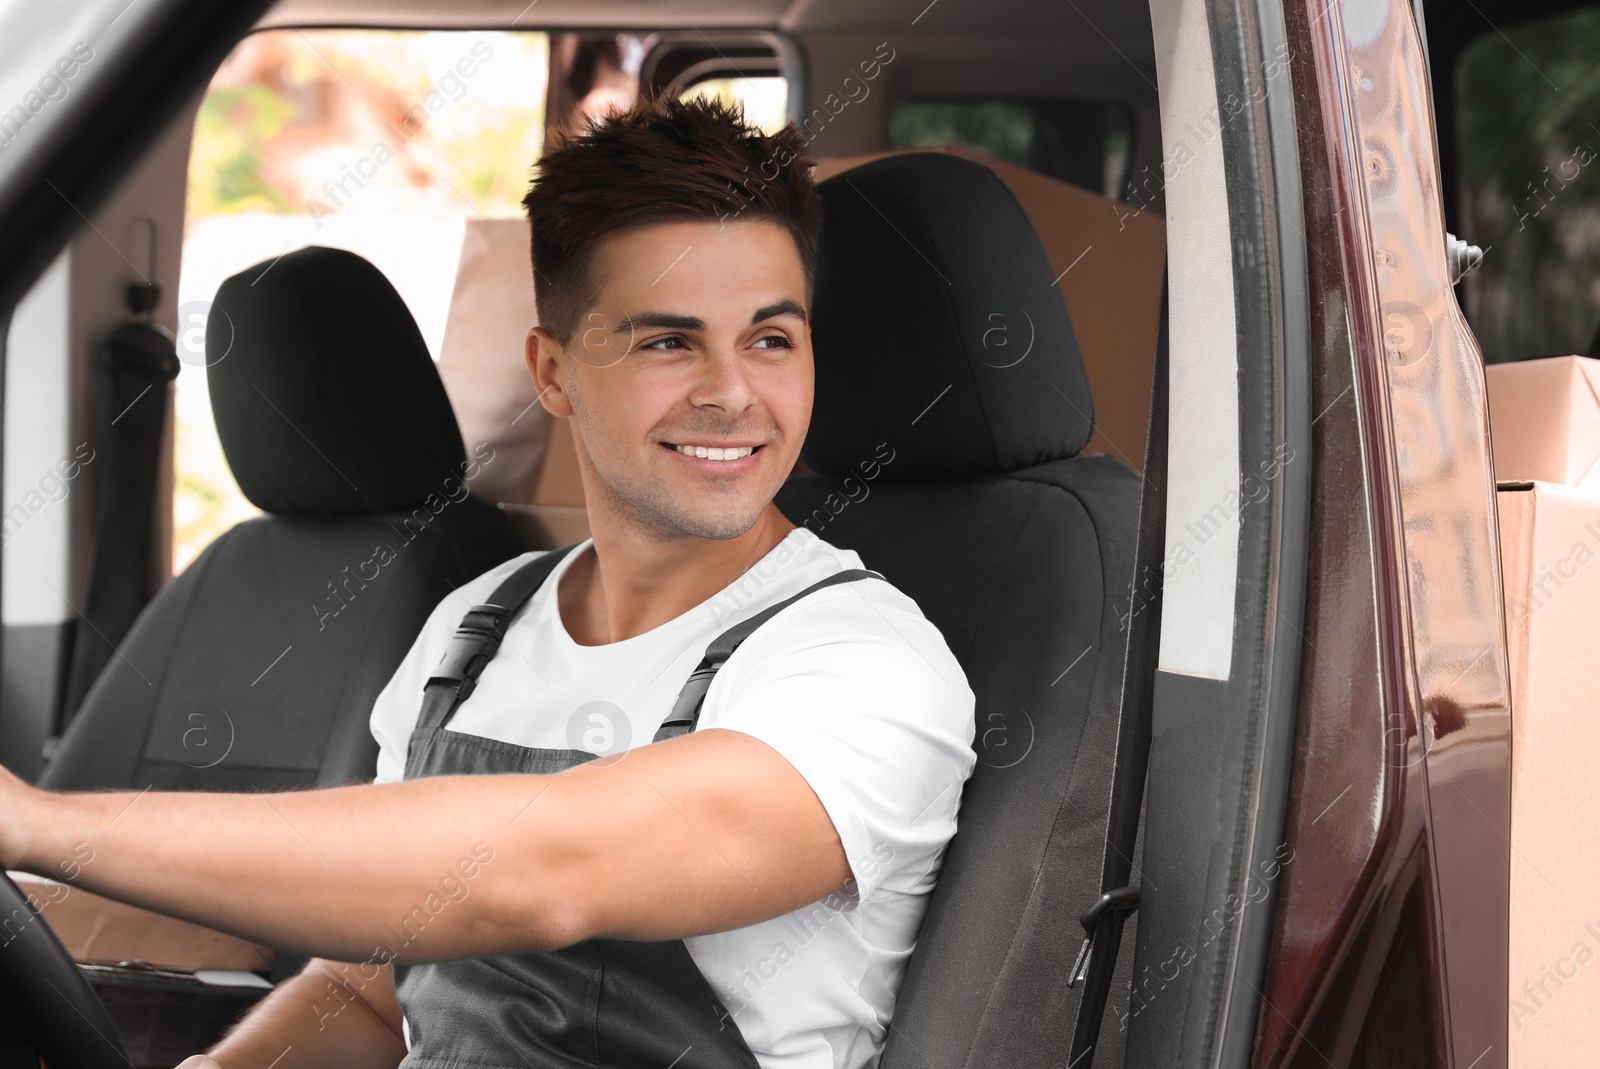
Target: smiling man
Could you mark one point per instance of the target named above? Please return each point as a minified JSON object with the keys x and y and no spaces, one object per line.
{"x":597,"y":836}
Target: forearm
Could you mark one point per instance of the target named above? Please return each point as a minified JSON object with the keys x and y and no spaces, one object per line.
{"x":414,"y":870}
{"x":331,"y":1016}
{"x":706,"y":833}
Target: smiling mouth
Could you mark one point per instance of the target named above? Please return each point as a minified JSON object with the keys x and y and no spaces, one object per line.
{"x":722,"y":453}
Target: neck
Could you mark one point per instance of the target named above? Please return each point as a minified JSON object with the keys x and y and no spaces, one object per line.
{"x":630,"y":584}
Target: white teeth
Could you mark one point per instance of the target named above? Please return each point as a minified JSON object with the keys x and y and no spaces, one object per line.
{"x":715,"y":453}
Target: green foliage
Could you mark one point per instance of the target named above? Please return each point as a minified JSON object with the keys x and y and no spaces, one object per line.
{"x":230,"y":137}
{"x":998,"y":127}
{"x":1528,"y":105}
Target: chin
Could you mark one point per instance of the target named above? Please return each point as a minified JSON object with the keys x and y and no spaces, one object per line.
{"x":668,"y":520}
{"x":718,"y":528}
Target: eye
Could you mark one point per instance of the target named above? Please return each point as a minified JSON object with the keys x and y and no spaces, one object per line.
{"x":781,"y":342}
{"x":671,"y":343}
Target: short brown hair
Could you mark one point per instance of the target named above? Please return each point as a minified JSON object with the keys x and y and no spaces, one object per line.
{"x":663,"y":160}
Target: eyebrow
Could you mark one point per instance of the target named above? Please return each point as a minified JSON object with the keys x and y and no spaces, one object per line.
{"x":654,"y":320}
{"x":785,"y":307}
{"x":673,"y":321}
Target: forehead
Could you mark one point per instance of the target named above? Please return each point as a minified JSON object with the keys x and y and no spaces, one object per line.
{"x":704,"y":264}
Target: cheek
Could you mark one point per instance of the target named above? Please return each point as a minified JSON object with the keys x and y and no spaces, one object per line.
{"x":637,"y":405}
{"x":790,"y":393}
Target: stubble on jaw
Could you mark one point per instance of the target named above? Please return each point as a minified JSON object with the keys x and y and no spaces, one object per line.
{"x":646,"y":505}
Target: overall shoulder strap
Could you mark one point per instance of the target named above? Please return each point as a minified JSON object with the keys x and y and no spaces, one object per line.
{"x":477,"y":639}
{"x":686,"y":710}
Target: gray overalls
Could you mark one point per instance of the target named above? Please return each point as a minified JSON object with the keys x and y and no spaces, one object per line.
{"x":598,"y":1004}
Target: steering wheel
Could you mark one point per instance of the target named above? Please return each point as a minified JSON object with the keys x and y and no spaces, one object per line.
{"x":44,"y":998}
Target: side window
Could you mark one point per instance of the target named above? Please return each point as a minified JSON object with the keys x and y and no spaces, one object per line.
{"x":765,"y":98}
{"x":1086,"y":142}
{"x":1527,"y":156}
{"x":384,"y":143}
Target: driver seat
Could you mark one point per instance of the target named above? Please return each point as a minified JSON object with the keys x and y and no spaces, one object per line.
{"x":945,"y":447}
{"x":256,"y":667}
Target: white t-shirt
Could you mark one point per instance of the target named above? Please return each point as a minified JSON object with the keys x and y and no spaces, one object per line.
{"x":852,"y":685}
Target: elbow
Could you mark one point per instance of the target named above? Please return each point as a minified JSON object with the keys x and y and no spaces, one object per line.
{"x":559,"y":925}
{"x":540,"y":915}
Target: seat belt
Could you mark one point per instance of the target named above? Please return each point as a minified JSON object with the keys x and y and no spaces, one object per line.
{"x":1103,"y":921}
{"x":142,"y":359}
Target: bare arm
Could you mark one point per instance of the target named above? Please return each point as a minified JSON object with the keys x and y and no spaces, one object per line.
{"x":331,"y":1016}
{"x":704,"y":833}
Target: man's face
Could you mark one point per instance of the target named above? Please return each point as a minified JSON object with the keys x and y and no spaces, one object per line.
{"x":698,"y":338}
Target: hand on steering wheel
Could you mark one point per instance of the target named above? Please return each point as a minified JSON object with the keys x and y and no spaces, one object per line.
{"x":44,"y":998}
{"x":15,"y":830}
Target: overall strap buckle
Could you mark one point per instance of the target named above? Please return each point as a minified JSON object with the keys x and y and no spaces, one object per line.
{"x":478,"y":639}
{"x":686,"y":710}
{"x":471,"y":648}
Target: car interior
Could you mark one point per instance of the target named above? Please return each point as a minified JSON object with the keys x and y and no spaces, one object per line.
{"x":217,"y":609}
{"x":386,"y":475}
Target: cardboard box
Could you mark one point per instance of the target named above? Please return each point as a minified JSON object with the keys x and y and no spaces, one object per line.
{"x":1544,"y":418}
{"x":1550,"y":554}
{"x":1109,"y":258}
{"x":481,"y":360}
{"x":100,"y":929}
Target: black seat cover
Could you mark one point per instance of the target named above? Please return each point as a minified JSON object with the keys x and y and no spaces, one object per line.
{"x":951,"y":406}
{"x":257,"y":667}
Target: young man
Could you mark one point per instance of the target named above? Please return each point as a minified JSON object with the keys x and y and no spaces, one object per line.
{"x":744,"y":894}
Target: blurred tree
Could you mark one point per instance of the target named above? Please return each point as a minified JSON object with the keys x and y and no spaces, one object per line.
{"x":1002,"y":128}
{"x":230,"y":135}
{"x":1528,"y":140}
{"x":1085,"y":142}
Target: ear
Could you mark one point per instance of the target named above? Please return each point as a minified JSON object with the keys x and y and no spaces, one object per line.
{"x":546,"y":361}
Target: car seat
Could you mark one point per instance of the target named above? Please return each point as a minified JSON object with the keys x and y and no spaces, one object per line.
{"x":945,"y":446}
{"x":257,"y":667}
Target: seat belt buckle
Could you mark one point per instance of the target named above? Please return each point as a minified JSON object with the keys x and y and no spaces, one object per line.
{"x":1112,"y":903}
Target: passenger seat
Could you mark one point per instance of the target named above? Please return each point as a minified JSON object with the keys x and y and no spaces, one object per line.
{"x":954,"y":466}
{"x":257,"y":667}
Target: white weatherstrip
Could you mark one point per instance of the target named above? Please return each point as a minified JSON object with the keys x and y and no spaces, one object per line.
{"x":35,"y":523}
{"x":1202,"y":543}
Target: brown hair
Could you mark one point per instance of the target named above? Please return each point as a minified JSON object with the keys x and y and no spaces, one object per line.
{"x":663,"y":160}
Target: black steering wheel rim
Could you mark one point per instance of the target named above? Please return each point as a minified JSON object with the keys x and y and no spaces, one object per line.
{"x":45,"y":999}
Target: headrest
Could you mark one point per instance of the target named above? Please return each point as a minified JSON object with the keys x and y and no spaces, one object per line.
{"x":325,"y":397}
{"x":937,"y":328}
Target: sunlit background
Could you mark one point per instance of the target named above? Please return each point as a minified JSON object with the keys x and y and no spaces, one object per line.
{"x":290,"y":124}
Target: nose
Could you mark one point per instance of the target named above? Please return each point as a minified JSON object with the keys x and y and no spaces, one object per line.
{"x":722,"y":381}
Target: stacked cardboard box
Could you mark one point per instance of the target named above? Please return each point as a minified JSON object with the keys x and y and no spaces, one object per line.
{"x":1545,"y":425}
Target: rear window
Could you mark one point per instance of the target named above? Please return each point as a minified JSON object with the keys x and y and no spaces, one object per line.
{"x":765,"y":98}
{"x":1086,"y":142}
{"x":1528,"y":104}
